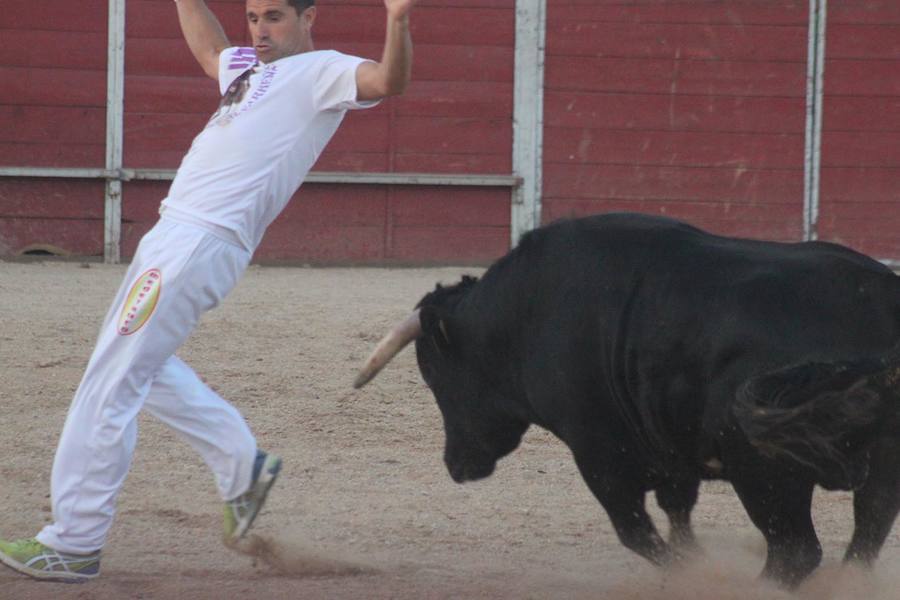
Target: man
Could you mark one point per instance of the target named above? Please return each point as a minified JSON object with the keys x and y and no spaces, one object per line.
{"x":281,"y":103}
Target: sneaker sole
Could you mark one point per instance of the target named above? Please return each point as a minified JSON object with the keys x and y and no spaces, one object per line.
{"x":267,"y":478}
{"x":57,"y":576}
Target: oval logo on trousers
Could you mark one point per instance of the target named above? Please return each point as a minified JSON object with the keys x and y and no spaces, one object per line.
{"x":140,"y":302}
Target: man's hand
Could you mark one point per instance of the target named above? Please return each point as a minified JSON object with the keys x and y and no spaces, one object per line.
{"x":399,"y":9}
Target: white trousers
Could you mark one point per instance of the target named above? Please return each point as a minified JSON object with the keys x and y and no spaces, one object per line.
{"x":179,"y":271}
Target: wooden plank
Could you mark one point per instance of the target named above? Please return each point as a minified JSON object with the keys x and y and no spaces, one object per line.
{"x":447,"y":62}
{"x":689,"y":209}
{"x":154,"y":19}
{"x":313,"y":205}
{"x":449,"y":245}
{"x":861,"y":113}
{"x":863,"y":41}
{"x":334,"y":160}
{"x":665,"y":76}
{"x":865,"y":184}
{"x":141,"y":200}
{"x":861,"y":210}
{"x":53,"y":15}
{"x":165,"y":57}
{"x":52,"y":125}
{"x":136,"y":157}
{"x":362,"y":131}
{"x":334,"y":244}
{"x":671,"y":183}
{"x":171,"y":57}
{"x":781,"y":222}
{"x":322,"y":223}
{"x":159,"y":94}
{"x":455,"y":62}
{"x":51,"y":154}
{"x":456,"y":99}
{"x":82,"y":237}
{"x":149,"y":132}
{"x":507,"y":4}
{"x":729,"y":13}
{"x":329,"y":223}
{"x":161,"y":132}
{"x":170,"y":94}
{"x":25,"y":197}
{"x":436,"y":24}
{"x":53,"y":87}
{"x":860,"y":77}
{"x":442,"y":207}
{"x":860,"y":149}
{"x":131,"y":234}
{"x":53,"y":49}
{"x":319,"y":205}
{"x":674,"y":148}
{"x":674,"y":41}
{"x":470,"y":162}
{"x":675,"y":112}
{"x":868,"y":12}
{"x":443,"y":135}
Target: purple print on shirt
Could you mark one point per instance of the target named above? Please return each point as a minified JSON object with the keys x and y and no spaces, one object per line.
{"x":241,"y":58}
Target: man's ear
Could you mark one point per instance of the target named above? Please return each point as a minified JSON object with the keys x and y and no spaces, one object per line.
{"x":310,"y":15}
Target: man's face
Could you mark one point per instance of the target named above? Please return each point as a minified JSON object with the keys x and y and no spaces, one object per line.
{"x":277,"y":30}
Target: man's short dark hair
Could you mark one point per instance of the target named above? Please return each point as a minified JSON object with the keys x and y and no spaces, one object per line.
{"x":301,"y":5}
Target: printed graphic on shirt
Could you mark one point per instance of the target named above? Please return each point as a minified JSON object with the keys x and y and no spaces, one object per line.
{"x":234,"y":94}
{"x":241,"y":58}
{"x":234,"y":103}
{"x":140,"y":302}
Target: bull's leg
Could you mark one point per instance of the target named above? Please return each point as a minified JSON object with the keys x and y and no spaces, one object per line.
{"x":875,"y":504}
{"x":677,"y":499}
{"x":624,"y":503}
{"x":780,"y":509}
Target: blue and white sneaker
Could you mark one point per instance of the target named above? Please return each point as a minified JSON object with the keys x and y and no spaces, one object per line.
{"x":38,"y":561}
{"x":241,"y":512}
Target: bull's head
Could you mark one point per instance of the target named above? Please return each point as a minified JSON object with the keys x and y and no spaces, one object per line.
{"x":478,"y":425}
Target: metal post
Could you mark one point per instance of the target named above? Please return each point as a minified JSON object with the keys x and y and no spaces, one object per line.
{"x":815,"y":73}
{"x":528,"y":115}
{"x":115,"y":105}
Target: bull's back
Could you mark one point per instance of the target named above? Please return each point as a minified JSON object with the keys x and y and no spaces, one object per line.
{"x":681,"y":317}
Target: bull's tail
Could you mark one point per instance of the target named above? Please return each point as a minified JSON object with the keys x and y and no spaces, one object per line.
{"x":822,"y":416}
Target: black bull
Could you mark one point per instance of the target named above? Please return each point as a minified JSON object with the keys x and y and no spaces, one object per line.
{"x":663,"y":355}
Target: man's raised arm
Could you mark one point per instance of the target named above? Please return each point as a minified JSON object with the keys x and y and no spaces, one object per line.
{"x":390,"y":76}
{"x":203,"y":33}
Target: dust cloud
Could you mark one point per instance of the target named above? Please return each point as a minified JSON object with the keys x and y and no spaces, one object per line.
{"x":288,"y":557}
{"x":727,"y":578}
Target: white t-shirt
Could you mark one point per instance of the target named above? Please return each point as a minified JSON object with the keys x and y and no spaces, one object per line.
{"x":272,"y":124}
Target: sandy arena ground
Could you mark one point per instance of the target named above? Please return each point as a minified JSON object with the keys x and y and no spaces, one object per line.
{"x":364,"y":508}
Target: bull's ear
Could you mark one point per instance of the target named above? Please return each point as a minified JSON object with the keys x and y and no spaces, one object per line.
{"x":437,"y":325}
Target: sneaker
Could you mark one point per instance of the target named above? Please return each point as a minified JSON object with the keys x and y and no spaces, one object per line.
{"x":42,"y":562}
{"x":240,"y":512}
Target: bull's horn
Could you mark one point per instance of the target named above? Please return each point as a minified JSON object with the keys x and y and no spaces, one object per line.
{"x":405,"y":332}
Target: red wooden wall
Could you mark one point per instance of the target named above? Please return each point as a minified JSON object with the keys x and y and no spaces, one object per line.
{"x":860,"y":185}
{"x":52,"y":114}
{"x":455,"y":118}
{"x":690,"y":109}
